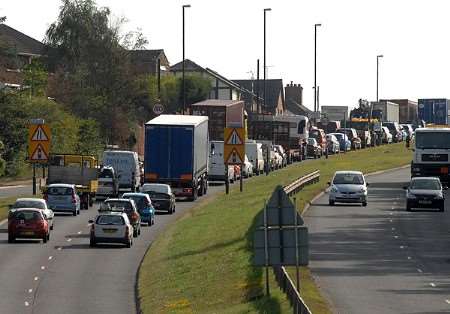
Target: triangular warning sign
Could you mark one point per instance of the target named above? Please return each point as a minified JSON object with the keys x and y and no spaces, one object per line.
{"x":234,"y":158}
{"x":39,"y":135}
{"x":39,"y":153}
{"x":234,"y":138}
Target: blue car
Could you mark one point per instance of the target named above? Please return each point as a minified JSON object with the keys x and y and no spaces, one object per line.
{"x":344,"y":143}
{"x":144,"y":206}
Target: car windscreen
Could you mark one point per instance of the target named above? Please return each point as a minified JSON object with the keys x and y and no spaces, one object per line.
{"x":119,"y":205}
{"x":106,"y":173}
{"x":156,"y":188}
{"x":59,"y":191}
{"x":432,"y":140}
{"x":348,"y":178}
{"x":29,"y":204}
{"x":27,"y":215}
{"x":110,"y":220}
{"x":422,"y":184}
{"x":339,"y":136}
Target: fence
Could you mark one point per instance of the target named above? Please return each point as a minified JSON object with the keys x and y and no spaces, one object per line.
{"x":281,"y":275}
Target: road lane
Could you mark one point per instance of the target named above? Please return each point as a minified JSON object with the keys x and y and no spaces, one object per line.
{"x":380,"y":258}
{"x":67,"y":276}
{"x":15,"y":190}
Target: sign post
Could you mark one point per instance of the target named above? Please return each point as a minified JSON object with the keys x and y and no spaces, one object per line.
{"x":234,"y":149}
{"x":39,"y":138}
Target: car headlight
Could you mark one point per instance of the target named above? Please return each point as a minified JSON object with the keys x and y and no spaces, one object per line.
{"x":362,"y":190}
{"x":439,"y":196}
{"x":334,"y":189}
{"x":410,"y":195}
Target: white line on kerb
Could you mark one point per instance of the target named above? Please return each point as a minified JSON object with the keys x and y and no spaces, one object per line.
{"x":432,"y":284}
{"x":392,"y":213}
{"x":419,"y":270}
{"x":392,"y":228}
{"x":396,"y":237}
{"x":402,"y":246}
{"x":60,"y":248}
{"x":390,"y":220}
{"x":79,"y":232}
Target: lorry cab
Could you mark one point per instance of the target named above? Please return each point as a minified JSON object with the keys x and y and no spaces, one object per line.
{"x":431,"y":153}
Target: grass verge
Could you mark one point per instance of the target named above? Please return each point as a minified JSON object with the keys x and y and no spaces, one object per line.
{"x":4,"y":202}
{"x":202,"y":263}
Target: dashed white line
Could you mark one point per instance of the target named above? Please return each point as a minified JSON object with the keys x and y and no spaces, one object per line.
{"x":27,"y":304}
{"x":392,"y":213}
{"x":68,"y":240}
{"x":59,"y":248}
{"x":447,"y":301}
{"x":402,"y":246}
{"x":390,"y":220}
{"x":50,"y":258}
{"x":392,"y":228}
{"x":433,"y":285}
{"x":36,"y":278}
{"x":419,"y":270}
{"x":30,"y":290}
{"x":409,"y":257}
{"x":42,"y":267}
{"x":396,"y":237}
{"x":79,"y":232}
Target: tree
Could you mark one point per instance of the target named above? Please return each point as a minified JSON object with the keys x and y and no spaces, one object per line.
{"x":35,"y":77}
{"x":89,"y":139}
{"x":2,"y":161}
{"x":2,"y":19}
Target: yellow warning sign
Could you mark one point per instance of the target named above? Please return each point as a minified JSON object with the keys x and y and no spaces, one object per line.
{"x":234,"y":148}
{"x":39,"y":138}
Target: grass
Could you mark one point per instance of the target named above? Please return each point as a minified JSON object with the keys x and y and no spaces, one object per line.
{"x":202,"y":263}
{"x":5,"y":201}
{"x":25,"y":174}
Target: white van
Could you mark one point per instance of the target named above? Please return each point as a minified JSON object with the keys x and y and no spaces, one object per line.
{"x":126,"y":166}
{"x":254,"y":153}
{"x":217,"y":165}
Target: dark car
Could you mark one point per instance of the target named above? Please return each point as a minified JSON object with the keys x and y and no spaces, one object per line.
{"x":28,"y":223}
{"x":161,"y":195}
{"x":425,"y":192}
{"x":128,"y":206}
{"x":313,"y":149}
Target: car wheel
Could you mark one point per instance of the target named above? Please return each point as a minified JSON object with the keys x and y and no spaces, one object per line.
{"x":135,"y":233}
{"x":129,"y":243}
{"x":442,"y":209}
{"x":139,"y":229}
{"x":331,"y":203}
{"x":11,"y":238}
{"x":364,"y":204}
{"x":51,"y":227}
{"x":44,"y":239}
{"x":75,"y":213}
{"x":92,"y":242}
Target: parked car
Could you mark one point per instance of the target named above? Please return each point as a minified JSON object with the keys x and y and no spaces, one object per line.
{"x":344,"y":143}
{"x":280,"y":150}
{"x":111,"y":227}
{"x":348,"y":187}
{"x":425,"y":192}
{"x":108,"y":183}
{"x":313,"y":149}
{"x":28,"y":223}
{"x":143,"y":205}
{"x":247,"y":171}
{"x":333,"y":144}
{"x":35,"y":203}
{"x":161,"y":196}
{"x":63,"y":198}
{"x":127,"y":206}
{"x":409,"y":130}
{"x":386,"y":135}
{"x":319,"y":136}
{"x":395,"y":130}
{"x":254,"y":153}
{"x":352,"y":135}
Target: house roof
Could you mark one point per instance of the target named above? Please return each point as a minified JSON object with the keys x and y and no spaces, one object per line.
{"x":21,"y":42}
{"x":297,"y":108}
{"x":217,"y":103}
{"x":149,"y":56}
{"x":273,"y":89}
{"x":191,"y":66}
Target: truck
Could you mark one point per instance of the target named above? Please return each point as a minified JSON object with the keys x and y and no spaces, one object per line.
{"x":79,"y":170}
{"x":334,"y":113}
{"x":389,"y":110}
{"x":431,"y":156}
{"x":221,"y":114}
{"x":176,"y":153}
{"x":407,"y":110}
{"x":434,"y":110}
{"x":126,"y":167}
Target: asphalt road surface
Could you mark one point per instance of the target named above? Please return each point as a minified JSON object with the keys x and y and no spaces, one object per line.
{"x":66,"y":276}
{"x":380,"y":258}
{"x":21,"y":189}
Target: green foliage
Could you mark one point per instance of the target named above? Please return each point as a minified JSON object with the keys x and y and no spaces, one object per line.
{"x":2,"y":19}
{"x":35,"y":76}
{"x":2,"y":161}
{"x":197,"y":89}
{"x":89,"y":140}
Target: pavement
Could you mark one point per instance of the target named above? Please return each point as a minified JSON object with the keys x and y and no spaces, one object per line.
{"x":66,"y":276}
{"x":380,"y":258}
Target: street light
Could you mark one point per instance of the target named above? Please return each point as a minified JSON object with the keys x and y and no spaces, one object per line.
{"x":264,"y":65}
{"x":316,"y":109}
{"x":184,"y":85}
{"x":378,"y":58}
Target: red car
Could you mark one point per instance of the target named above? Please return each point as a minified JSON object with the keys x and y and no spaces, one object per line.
{"x":28,"y":223}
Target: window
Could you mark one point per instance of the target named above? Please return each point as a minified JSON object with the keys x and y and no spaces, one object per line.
{"x":28,"y":215}
{"x":60,"y":191}
{"x":348,"y":178}
{"x":422,"y":184}
{"x":110,"y":220}
{"x":29,"y":204}
{"x":433,"y":140}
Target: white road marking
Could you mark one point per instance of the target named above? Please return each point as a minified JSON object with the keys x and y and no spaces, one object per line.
{"x":36,"y":278}
{"x":402,"y":246}
{"x":50,"y":258}
{"x":409,"y":257}
{"x":11,"y":187}
{"x":42,"y":267}
{"x":419,"y":270}
{"x":60,"y":248}
{"x":390,"y":220}
{"x":396,"y":237}
{"x":392,"y":228}
{"x":392,"y":213}
{"x":433,"y":285}
{"x":447,"y":301}
{"x":30,"y":290}
{"x":68,"y":240}
{"x":79,"y":232}
{"x":27,"y":304}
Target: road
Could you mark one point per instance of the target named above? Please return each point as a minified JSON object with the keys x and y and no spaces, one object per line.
{"x":66,"y":276}
{"x":14,"y":190}
{"x":380,"y":258}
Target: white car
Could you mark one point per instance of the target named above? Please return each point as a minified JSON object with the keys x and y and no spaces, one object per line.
{"x":348,"y":187}
{"x":247,"y":171}
{"x":386,"y":135}
{"x":111,"y":227}
{"x":277,"y":160}
{"x":37,"y":203}
{"x":280,"y":150}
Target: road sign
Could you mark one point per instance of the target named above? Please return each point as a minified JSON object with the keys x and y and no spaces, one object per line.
{"x":158,"y":109}
{"x":39,"y":138}
{"x":234,"y":148}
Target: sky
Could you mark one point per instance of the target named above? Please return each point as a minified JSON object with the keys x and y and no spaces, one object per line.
{"x":227,"y":36}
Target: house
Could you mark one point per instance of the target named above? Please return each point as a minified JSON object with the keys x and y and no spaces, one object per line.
{"x":273,"y":102}
{"x":221,"y":87}
{"x":16,"y":51}
{"x":145,"y":62}
{"x":294,"y":100}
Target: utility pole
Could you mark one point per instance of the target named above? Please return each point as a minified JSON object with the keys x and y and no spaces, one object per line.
{"x":184,"y":83}
{"x":316,"y":109}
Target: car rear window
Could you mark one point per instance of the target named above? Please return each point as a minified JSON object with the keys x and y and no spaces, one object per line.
{"x":138,"y":200}
{"x":29,"y":204}
{"x":110,"y":220}
{"x":348,"y":178}
{"x":27,"y":215}
{"x":119,"y":205}
{"x":155,"y":188}
{"x":425,"y":185}
{"x":60,"y":191}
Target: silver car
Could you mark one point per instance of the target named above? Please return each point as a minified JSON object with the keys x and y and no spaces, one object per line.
{"x":348,"y":187}
{"x":37,"y":203}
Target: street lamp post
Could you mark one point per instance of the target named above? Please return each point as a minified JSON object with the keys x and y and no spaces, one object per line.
{"x":184,"y":84}
{"x":264,"y":61}
{"x":316,"y":109}
{"x":378,"y":58}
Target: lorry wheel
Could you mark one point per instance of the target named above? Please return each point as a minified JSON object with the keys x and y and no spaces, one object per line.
{"x":200,"y":191}
{"x":205,"y":187}
{"x":195,"y":194}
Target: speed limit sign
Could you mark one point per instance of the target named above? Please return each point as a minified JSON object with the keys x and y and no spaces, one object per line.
{"x":158,"y":109}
